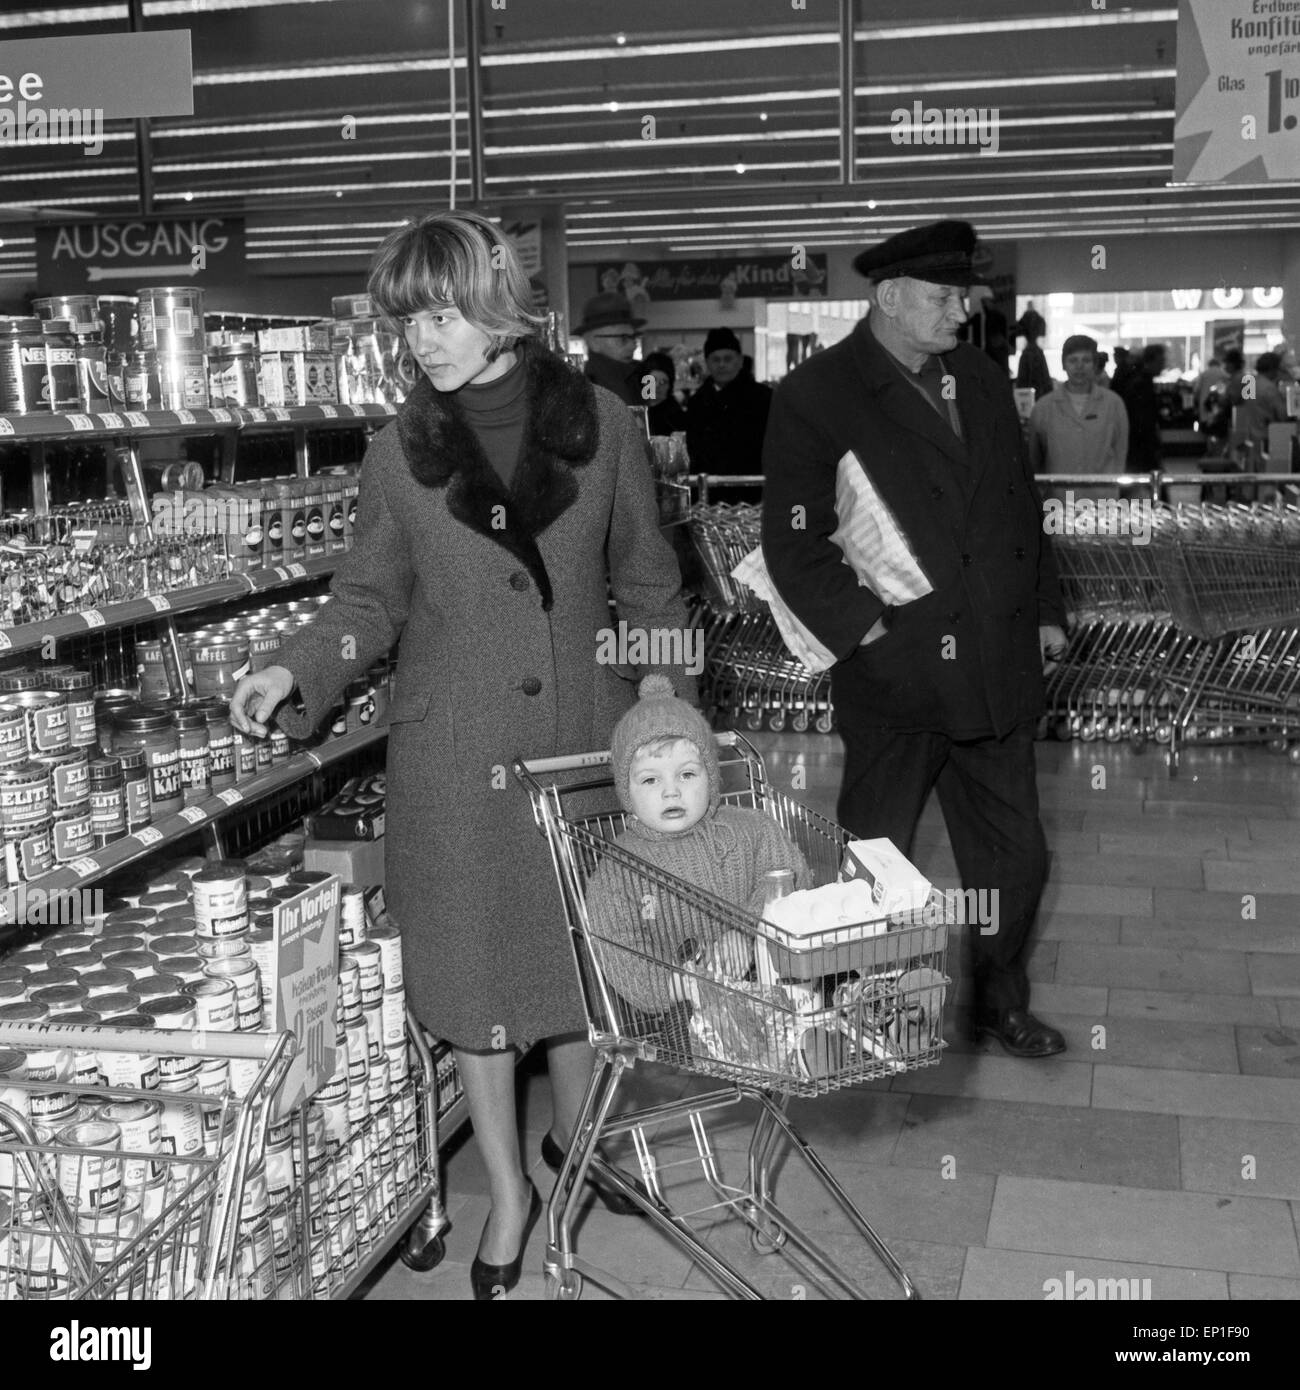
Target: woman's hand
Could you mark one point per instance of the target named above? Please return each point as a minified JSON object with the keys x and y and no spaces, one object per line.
{"x":256,"y":697}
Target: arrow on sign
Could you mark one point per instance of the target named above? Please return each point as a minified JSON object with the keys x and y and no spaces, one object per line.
{"x":126,"y":272}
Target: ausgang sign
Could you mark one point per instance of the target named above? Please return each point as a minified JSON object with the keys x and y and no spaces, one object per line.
{"x":115,"y":257}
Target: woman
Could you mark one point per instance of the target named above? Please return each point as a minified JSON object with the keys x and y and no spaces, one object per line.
{"x":486,"y":514}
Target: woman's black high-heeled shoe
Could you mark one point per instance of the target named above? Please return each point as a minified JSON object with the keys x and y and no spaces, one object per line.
{"x":553,"y":1157}
{"x":493,"y":1281}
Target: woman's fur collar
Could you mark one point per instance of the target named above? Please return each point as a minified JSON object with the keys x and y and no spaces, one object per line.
{"x":561,"y":433}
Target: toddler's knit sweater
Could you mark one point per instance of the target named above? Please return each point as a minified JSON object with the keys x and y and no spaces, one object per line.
{"x":727,"y":853}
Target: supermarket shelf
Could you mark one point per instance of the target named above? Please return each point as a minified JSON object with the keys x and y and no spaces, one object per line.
{"x":176,"y":826}
{"x":160,"y":423}
{"x":138,"y":610}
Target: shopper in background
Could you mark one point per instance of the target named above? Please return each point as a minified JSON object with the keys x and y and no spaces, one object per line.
{"x":1032,"y":369}
{"x":727,"y":416}
{"x":658,"y":374}
{"x":486,"y":516}
{"x":1103,"y":376}
{"x":941,"y":690}
{"x":1124,"y":369}
{"x":1260,"y":403}
{"x":1213,"y":409}
{"x":609,"y":330}
{"x":1139,"y":396}
{"x":1080,"y":427}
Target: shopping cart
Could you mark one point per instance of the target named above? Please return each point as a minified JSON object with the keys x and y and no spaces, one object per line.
{"x":1193,"y":637}
{"x":749,"y":674}
{"x":132,"y":1215}
{"x":852,"y":1004}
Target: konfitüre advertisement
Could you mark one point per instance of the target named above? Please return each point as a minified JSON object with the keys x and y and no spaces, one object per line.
{"x":1237,"y":103}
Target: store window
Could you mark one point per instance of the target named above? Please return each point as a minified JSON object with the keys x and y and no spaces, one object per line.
{"x":1194,"y":324}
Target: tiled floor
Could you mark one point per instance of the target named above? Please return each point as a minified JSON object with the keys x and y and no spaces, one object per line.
{"x":1163,"y":1146}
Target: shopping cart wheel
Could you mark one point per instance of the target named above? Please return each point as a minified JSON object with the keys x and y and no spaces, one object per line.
{"x":1171,"y":760}
{"x":421,"y":1255}
{"x":765,"y":1236}
{"x":776,"y":721}
{"x":564,"y":1287}
{"x":799,"y":721}
{"x":1294,"y":753}
{"x":1063,"y":730}
{"x":754,"y":720}
{"x":1277,"y":745}
{"x":825,"y":723}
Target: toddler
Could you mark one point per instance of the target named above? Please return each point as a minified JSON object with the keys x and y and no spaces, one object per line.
{"x":665,"y":765}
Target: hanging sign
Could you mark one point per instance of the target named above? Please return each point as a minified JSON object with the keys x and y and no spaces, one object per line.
{"x":1237,"y":102}
{"x":60,"y":91}
{"x":117,"y":256}
{"x":747,"y":277}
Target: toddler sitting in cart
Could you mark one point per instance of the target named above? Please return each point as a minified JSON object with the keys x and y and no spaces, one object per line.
{"x":659,"y":945}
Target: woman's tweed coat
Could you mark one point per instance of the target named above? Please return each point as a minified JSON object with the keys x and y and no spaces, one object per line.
{"x":497,"y":598}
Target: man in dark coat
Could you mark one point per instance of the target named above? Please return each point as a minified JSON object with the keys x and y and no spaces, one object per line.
{"x":1138,"y":392}
{"x":726,"y":418}
{"x":609,"y":329}
{"x":941,"y":691}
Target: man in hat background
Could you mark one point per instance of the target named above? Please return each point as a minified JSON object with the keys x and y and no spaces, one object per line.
{"x":609,"y":330}
{"x":943,"y":691}
{"x":727,"y":417}
{"x":1080,"y":427}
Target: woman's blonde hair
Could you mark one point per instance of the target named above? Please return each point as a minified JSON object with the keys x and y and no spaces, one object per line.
{"x":460,"y":259}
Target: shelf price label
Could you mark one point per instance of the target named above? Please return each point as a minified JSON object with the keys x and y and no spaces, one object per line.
{"x":80,"y":422}
{"x":352,"y":410}
{"x":150,"y":835}
{"x":137,"y":419}
{"x":5,"y":426}
{"x":298,"y":571}
{"x":93,"y":617}
{"x":193,"y":814}
{"x":257,"y":413}
{"x":111,"y":421}
{"x":5,"y":643}
{"x":186,"y":417}
{"x":329,"y":412}
{"x":279,"y":413}
{"x":232,"y":796}
{"x":83,"y":868}
{"x":160,"y":602}
{"x":281,"y":573}
{"x":221,"y":417}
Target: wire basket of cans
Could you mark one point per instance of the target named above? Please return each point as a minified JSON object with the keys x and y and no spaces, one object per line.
{"x":119,"y":1189}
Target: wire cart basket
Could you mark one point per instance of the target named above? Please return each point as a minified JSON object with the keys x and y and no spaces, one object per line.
{"x":139,"y":1195}
{"x":749,"y":674}
{"x":1191,"y":637}
{"x":822,"y":1012}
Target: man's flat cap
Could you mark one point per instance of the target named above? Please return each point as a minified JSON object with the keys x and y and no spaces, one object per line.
{"x":940,"y":253}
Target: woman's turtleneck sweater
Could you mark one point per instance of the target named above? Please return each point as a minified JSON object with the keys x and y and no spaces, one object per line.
{"x":497,"y":413}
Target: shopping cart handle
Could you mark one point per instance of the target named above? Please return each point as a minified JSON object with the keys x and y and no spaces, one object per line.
{"x":535,"y":767}
{"x":171,"y":1042}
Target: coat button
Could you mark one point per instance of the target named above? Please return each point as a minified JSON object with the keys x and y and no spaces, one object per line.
{"x":531,"y":686}
{"x":1020,"y":552}
{"x":936,"y":493}
{"x":954,"y":617}
{"x":966,"y":560}
{"x":519,"y":581}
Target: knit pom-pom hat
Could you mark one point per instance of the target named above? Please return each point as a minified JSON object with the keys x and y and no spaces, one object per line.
{"x":660,"y":714}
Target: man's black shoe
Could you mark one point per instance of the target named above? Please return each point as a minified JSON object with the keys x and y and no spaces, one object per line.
{"x":1021,"y":1034}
